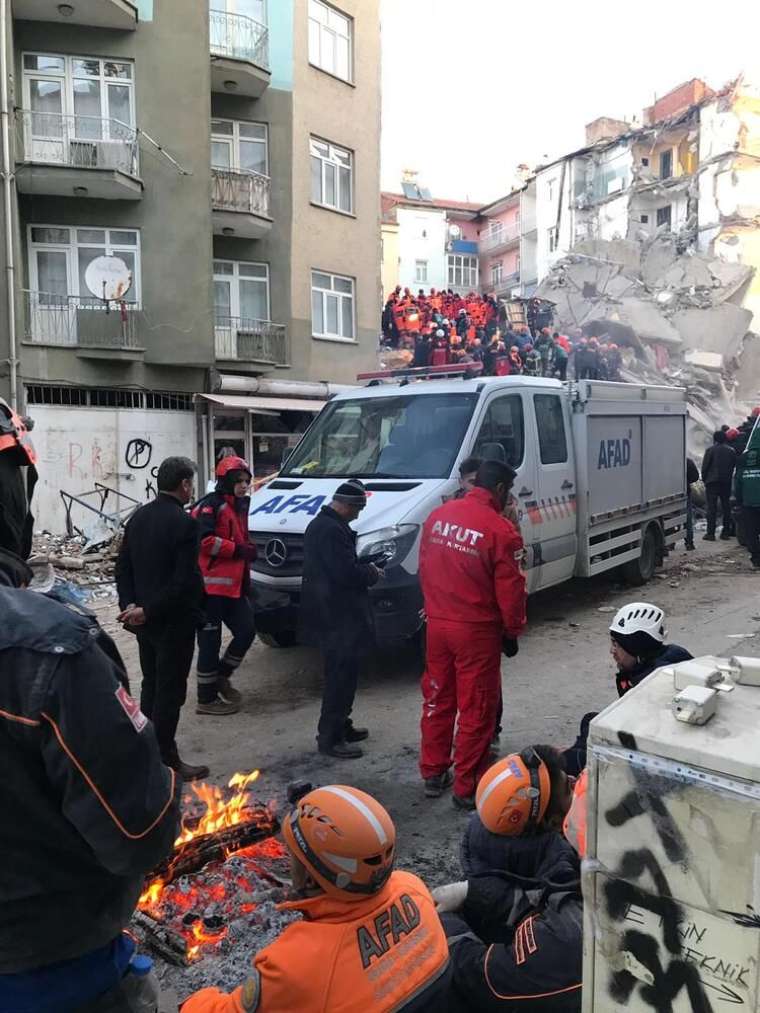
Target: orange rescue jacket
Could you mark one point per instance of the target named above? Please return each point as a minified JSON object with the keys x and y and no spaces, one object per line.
{"x":375,"y":955}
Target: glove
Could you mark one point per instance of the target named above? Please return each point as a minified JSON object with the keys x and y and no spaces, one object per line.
{"x":246,"y":552}
{"x":509,"y":646}
{"x":450,"y":897}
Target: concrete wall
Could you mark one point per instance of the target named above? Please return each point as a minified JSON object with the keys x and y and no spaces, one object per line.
{"x":171,"y":60}
{"x":553,"y":188}
{"x":80,"y":446}
{"x":348,"y":115}
{"x":423,"y":233}
{"x":390,"y":258}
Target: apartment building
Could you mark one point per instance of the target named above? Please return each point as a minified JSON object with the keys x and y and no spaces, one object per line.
{"x":218,"y":161}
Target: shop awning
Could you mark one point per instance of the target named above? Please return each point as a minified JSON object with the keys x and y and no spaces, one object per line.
{"x":267,"y":404}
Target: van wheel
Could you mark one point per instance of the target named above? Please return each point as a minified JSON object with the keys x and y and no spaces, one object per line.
{"x":286,"y":638}
{"x":640,"y":571}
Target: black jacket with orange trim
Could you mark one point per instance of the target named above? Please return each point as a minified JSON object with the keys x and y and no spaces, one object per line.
{"x":517,"y":943}
{"x":88,"y":808}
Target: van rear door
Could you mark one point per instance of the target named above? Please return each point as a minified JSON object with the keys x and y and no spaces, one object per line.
{"x":554,"y":511}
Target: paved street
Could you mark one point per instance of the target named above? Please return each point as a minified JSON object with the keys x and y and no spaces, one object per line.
{"x":563,"y":670}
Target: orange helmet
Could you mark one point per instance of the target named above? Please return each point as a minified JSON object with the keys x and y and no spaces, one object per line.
{"x":575,"y":823}
{"x":344,"y":838}
{"x":513,"y":795}
{"x":231,"y":463}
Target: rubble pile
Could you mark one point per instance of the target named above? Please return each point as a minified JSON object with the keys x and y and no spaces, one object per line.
{"x":677,"y":315}
{"x":72,"y":569}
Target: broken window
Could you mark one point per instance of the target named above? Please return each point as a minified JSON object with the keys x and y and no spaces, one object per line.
{"x":666,"y":164}
{"x":645,"y":162}
{"x":645,"y":219}
{"x":664,"y":216}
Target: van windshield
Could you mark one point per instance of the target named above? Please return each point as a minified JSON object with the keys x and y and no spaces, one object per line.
{"x":415,"y":436}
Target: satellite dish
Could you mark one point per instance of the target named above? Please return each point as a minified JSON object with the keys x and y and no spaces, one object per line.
{"x":108,"y":278}
{"x":454,"y":231}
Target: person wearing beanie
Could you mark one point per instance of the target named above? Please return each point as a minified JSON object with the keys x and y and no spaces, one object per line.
{"x":336,"y":614}
{"x":515,"y":924}
{"x":718,"y":466}
{"x":226,"y":556}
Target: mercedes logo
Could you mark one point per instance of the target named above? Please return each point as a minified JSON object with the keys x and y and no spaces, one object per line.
{"x":275,"y":552}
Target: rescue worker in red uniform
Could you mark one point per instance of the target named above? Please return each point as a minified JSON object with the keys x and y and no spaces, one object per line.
{"x":474,"y":593}
{"x":370,"y":938}
{"x":225,"y":558}
{"x":18,"y":476}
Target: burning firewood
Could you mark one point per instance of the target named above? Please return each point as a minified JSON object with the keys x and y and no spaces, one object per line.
{"x":215,"y":847}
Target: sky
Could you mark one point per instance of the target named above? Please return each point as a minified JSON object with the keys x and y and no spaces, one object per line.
{"x":471,"y":89}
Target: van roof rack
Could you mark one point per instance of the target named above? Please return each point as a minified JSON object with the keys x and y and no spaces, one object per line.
{"x":467,"y":371}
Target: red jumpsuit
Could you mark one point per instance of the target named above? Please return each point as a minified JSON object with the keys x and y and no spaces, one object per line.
{"x":474,"y":593}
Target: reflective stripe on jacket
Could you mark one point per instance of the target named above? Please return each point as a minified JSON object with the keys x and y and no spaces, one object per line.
{"x":224,"y":526}
{"x":385,"y":953}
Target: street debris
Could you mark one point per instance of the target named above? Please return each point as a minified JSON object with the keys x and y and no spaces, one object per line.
{"x":67,"y":569}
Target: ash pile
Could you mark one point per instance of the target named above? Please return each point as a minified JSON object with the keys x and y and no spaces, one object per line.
{"x":677,"y":315}
{"x":212,"y":904}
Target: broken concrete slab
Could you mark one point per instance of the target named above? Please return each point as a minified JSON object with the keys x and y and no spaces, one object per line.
{"x":704,"y":360}
{"x":731,"y":277}
{"x":648,"y":321}
{"x":657,"y":260}
{"x":715,"y":329}
{"x":625,"y":253}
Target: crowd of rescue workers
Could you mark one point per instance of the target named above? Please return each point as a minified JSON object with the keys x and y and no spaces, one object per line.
{"x":92,"y":780}
{"x":442,"y":328}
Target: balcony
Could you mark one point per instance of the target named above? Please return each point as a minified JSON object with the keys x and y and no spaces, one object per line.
{"x":504,"y":287}
{"x":80,"y":156}
{"x":118,"y":14}
{"x":259,"y":342}
{"x":239,"y":54}
{"x":500,"y":239}
{"x":240,"y":203}
{"x":95,"y":329}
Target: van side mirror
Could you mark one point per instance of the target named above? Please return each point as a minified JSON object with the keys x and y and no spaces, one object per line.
{"x":493,"y":452}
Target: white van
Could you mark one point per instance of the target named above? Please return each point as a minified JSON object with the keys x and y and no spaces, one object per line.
{"x":601,"y":480}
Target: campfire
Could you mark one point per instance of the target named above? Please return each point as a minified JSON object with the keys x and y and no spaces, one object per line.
{"x":225,"y":867}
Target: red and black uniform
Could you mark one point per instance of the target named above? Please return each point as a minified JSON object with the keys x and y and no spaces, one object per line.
{"x":225,"y":557}
{"x":474,"y":593}
{"x":16,"y":453}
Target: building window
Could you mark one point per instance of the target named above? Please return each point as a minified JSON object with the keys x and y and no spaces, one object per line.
{"x":463,"y":272}
{"x":550,"y":186}
{"x":421,"y":272}
{"x":645,"y":162}
{"x":71,"y":97}
{"x":664,"y":216}
{"x":242,"y":147}
{"x":666,"y":164}
{"x":332,"y":306}
{"x":254,"y":9}
{"x":644,"y":219}
{"x":551,"y":236}
{"x":331,"y":176}
{"x":330,"y":40}
{"x":241,"y":292}
{"x":496,"y":273}
{"x":59,"y":257}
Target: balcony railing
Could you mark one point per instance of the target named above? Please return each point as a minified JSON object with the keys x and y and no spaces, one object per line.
{"x":239,"y":37}
{"x":80,"y":321}
{"x":504,"y":285}
{"x":499,"y":238}
{"x":240,"y":191}
{"x":245,"y":340}
{"x":79,"y":142}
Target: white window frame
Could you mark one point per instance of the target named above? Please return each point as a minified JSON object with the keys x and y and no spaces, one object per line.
{"x":457,"y":260}
{"x":235,"y":278}
{"x":497,"y":273}
{"x":342,"y":296}
{"x":324,"y":31}
{"x":75,"y":283}
{"x":233,"y":141}
{"x":420,"y":272}
{"x":334,"y":153}
{"x":67,"y":77}
{"x":551,"y":235}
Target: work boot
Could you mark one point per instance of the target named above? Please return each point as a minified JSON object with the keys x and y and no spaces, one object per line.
{"x":690,"y":546}
{"x":219,"y":707}
{"x":725,"y":538}
{"x":353,"y":734}
{"x":228,"y":693}
{"x":341,"y":750}
{"x":465,"y":803}
{"x":437,"y":784}
{"x":708,"y":538}
{"x":186,"y":771}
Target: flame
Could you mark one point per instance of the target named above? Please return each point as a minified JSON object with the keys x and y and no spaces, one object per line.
{"x":203,"y":937}
{"x":220,"y":812}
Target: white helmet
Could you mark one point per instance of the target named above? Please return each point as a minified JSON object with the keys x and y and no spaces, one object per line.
{"x":640,"y":617}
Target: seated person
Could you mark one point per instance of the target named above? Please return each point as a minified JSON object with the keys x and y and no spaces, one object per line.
{"x":638,"y":648}
{"x":370,"y":938}
{"x":515,"y":926}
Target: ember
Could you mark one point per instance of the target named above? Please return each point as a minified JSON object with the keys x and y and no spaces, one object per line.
{"x":225,"y":863}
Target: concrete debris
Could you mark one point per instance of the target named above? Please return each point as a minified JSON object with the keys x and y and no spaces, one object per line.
{"x":87,"y":574}
{"x":676,"y":313}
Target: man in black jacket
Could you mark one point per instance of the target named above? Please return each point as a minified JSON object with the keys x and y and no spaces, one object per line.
{"x":335,"y":611}
{"x":88,"y":807}
{"x":717,"y":473}
{"x":161,"y":596}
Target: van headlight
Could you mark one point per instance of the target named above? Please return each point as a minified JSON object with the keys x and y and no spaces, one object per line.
{"x":395,"y":542}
